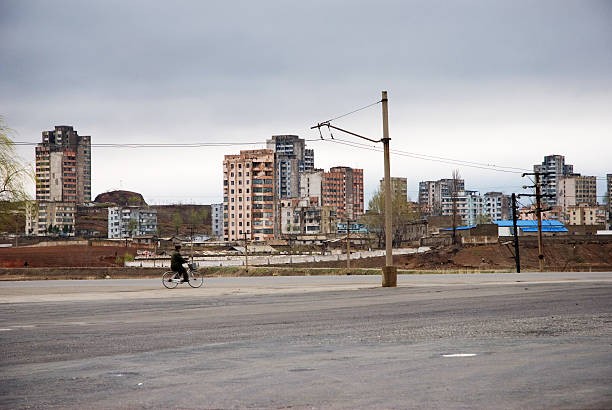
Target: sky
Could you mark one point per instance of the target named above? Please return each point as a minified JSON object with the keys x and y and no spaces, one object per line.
{"x":485,"y":87}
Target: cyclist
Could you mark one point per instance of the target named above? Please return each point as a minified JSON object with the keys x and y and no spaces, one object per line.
{"x":176,"y":263}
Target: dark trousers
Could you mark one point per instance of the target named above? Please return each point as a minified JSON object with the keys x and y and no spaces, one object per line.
{"x":181,"y":270}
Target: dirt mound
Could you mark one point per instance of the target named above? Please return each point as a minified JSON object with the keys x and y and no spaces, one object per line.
{"x":64,"y":256}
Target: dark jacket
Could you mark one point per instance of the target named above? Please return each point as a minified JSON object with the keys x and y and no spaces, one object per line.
{"x":177,"y":261}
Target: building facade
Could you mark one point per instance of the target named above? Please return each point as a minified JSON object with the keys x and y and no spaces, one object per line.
{"x":51,"y":218}
{"x":343,"y":190}
{"x":399,"y":186}
{"x":304,"y":216}
{"x":63,"y":166}
{"x":249,"y":201}
{"x":131,"y":221}
{"x":311,"y":184}
{"x":216,"y":219}
{"x":553,"y":168}
{"x":585,"y":214}
{"x":291,"y":158}
{"x":497,"y":206}
{"x":432,"y":192}
{"x":468,"y":205}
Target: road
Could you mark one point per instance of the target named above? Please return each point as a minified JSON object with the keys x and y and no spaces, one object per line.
{"x":436,"y":341}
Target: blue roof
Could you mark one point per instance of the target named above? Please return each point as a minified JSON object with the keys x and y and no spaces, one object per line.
{"x":548,"y":225}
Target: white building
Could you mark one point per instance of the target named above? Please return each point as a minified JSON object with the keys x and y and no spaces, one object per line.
{"x":130,"y":221}
{"x":311,"y":183}
{"x":469,"y":206}
{"x":497,"y":206}
{"x":217,"y":220}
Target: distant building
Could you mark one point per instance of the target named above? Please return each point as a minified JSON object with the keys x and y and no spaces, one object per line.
{"x":305,"y":216}
{"x":576,"y":190}
{"x":585,"y":214}
{"x":432,"y":192}
{"x":530,"y":228}
{"x":217,"y":220}
{"x":343,"y":190}
{"x":291,"y":159}
{"x":553,"y":168}
{"x":469,"y":206}
{"x":399,"y":186}
{"x":311,"y":184}
{"x":609,"y":196}
{"x":248,"y":196}
{"x":51,"y":218}
{"x":497,"y":206}
{"x":131,"y":221}
{"x":63,"y":166}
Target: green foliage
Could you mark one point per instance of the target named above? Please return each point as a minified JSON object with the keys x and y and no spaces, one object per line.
{"x":13,"y":173}
{"x":403,"y":213}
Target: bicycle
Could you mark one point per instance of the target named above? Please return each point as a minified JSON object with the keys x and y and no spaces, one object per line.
{"x":171,"y":279}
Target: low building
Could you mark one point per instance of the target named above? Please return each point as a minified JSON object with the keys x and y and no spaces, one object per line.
{"x":530,"y":227}
{"x":131,"y":221}
{"x":50,"y":218}
{"x":584,"y":214}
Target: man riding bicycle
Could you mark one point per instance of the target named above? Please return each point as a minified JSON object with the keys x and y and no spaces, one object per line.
{"x":177,"y":261}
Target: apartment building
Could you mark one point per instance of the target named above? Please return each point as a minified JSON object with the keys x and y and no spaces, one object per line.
{"x":311,"y":184}
{"x":573,"y":190}
{"x":553,"y":168}
{"x":304,"y":216}
{"x":609,"y":195}
{"x":131,"y":221}
{"x":63,"y":166}
{"x":585,"y":214}
{"x":51,"y":218}
{"x":399,"y":186}
{"x":343,"y":190}
{"x":432,"y":192}
{"x":497,"y":206}
{"x":469,"y":205}
{"x":216,"y":217}
{"x":248,"y":196}
{"x":291,"y":158}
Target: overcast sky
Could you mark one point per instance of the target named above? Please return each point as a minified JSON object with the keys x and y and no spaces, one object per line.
{"x":486,"y":82}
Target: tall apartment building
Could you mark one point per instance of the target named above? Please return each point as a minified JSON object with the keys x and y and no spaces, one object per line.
{"x":291,"y":158}
{"x":343,"y":189}
{"x":63,"y":166}
{"x":311,"y":184}
{"x":216,"y":219}
{"x":399,"y":186}
{"x":248,"y":196}
{"x":553,"y":168}
{"x":432,"y":192}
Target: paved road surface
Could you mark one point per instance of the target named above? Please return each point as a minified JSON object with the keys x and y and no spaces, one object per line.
{"x":435,"y":341}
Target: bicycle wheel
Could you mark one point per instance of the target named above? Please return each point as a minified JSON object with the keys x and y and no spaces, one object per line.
{"x":196,"y":279}
{"x":168,"y":280}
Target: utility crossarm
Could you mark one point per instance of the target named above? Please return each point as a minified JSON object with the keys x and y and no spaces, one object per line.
{"x":328,"y":125}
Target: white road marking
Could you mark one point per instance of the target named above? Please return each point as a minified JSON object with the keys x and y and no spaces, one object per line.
{"x":460,"y":355}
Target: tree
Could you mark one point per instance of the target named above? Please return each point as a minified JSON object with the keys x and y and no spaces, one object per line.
{"x":14,"y":175}
{"x":403,"y":214}
{"x":177,"y":221}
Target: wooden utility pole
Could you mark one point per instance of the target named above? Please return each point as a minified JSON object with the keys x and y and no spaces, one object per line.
{"x":389,"y":271}
{"x":539,"y":216}
{"x":517,"y":257}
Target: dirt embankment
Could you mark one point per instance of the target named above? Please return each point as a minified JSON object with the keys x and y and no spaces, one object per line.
{"x":64,"y":256}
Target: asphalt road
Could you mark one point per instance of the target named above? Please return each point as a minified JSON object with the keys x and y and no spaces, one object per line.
{"x":435,"y":341}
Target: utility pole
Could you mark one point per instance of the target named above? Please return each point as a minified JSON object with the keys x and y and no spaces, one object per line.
{"x":517,"y":257}
{"x":348,"y":243}
{"x":389,"y":271}
{"x":538,"y":211}
{"x":246,"y":254}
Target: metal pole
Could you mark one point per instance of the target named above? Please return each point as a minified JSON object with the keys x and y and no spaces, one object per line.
{"x":517,"y":257}
{"x":539,"y":216}
{"x":389,"y":271}
{"x":246,"y":254}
